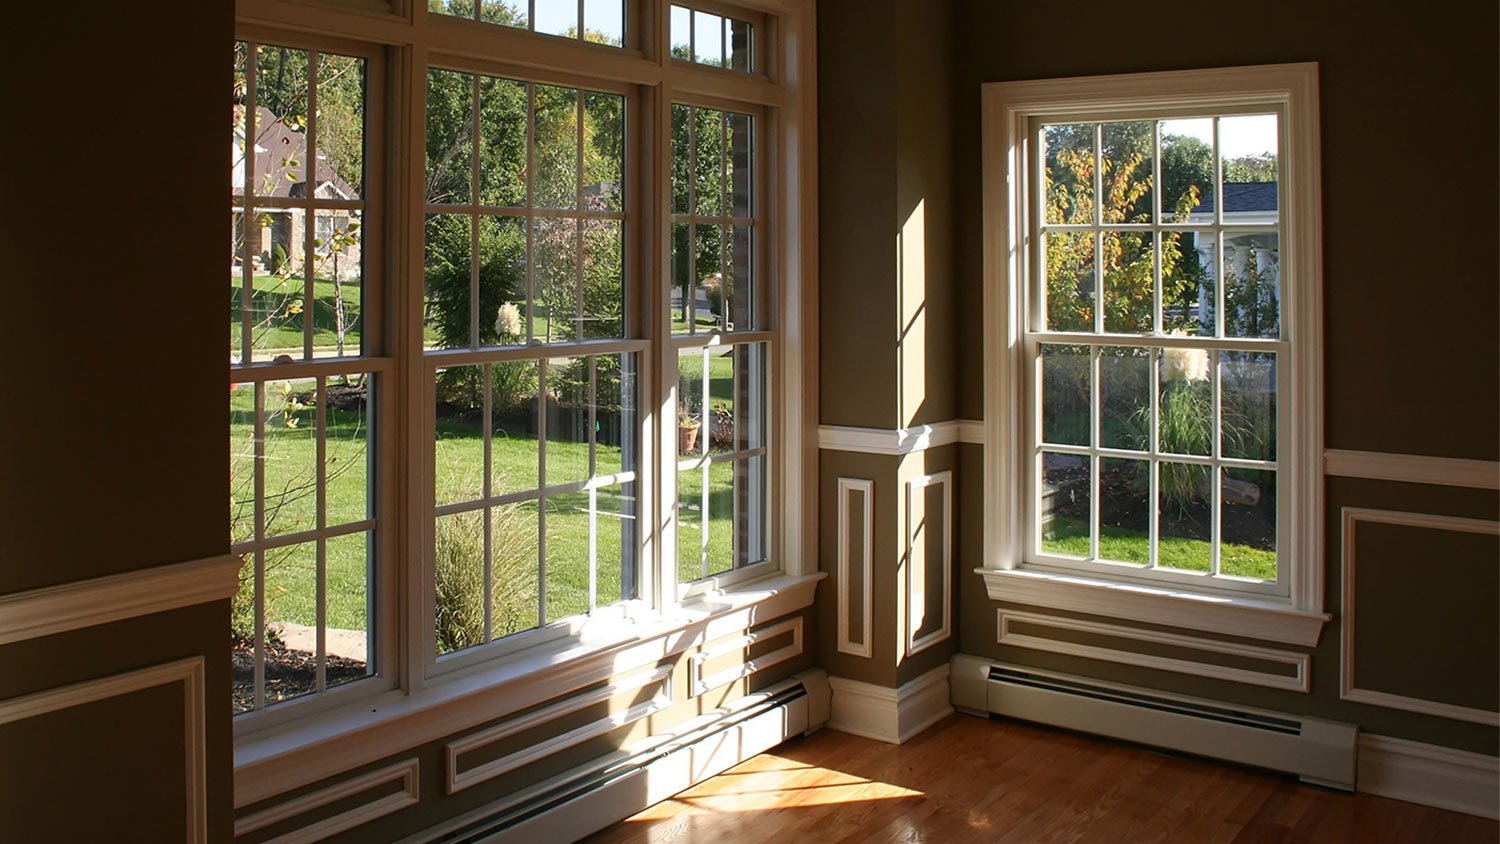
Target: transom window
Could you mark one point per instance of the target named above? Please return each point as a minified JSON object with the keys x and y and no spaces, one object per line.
{"x":594,"y":21}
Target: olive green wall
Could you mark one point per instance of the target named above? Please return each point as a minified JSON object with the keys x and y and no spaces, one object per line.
{"x":1412,"y":356}
{"x":112,"y":448}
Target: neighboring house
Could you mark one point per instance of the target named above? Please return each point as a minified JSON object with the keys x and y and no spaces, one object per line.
{"x":1244,"y":202}
{"x":280,"y":159}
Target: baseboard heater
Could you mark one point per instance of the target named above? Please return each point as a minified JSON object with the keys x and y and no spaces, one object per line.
{"x":1318,"y":751}
{"x":586,"y":799}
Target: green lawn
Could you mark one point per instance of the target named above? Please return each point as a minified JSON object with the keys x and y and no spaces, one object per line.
{"x":1070,"y":537}
{"x":277,"y":313}
{"x":459,"y":460}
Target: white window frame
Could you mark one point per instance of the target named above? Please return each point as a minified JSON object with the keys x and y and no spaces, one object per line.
{"x":299,"y":741}
{"x":1010,"y":112}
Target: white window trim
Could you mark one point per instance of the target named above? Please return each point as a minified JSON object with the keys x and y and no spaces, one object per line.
{"x":287,"y":746}
{"x":1008,"y":107}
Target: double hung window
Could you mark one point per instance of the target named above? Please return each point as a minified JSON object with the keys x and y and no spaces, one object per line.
{"x":1154,"y":358}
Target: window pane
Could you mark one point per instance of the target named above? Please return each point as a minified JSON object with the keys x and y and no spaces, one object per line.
{"x":1125,"y":511}
{"x":740,"y":152}
{"x":1125,"y":396}
{"x":1248,"y":398}
{"x":1063,"y":506}
{"x":739,"y":289}
{"x":514,"y":401}
{"x":603,"y":279}
{"x":557,"y":17}
{"x":1248,"y":148}
{"x":346,"y":449}
{"x":604,"y":22}
{"x":1189,"y":267}
{"x":569,"y":525}
{"x":447,"y":277}
{"x":680,"y":302}
{"x":615,"y":401}
{"x":450,"y":136}
{"x":1247,"y":522}
{"x":746,"y":419}
{"x":349,"y":632}
{"x":459,"y":580}
{"x":1069,"y":173}
{"x":692,"y":552}
{"x":741,"y":46}
{"x":616,"y":540}
{"x":681,"y":32}
{"x":241,"y":462}
{"x":1187,"y":170}
{"x":502,"y":280}
{"x":457,"y":8}
{"x":502,"y":133}
{"x":279,"y":298}
{"x":604,"y":153}
{"x":341,"y":127}
{"x":458,"y":450}
{"x":1252,"y":285}
{"x":556,"y":126}
{"x":691,"y":401}
{"x":1066,"y":390}
{"x":568,"y":422}
{"x":708,"y":278}
{"x":555,"y":275}
{"x":681,"y":145}
{"x":290,"y":458}
{"x":708,"y":38}
{"x":1185,"y":412}
{"x":1128,"y":162}
{"x":708,"y":162}
{"x":338,"y":282}
{"x":503,"y":12}
{"x":1183,"y":516}
{"x":1070,"y":281}
{"x":291,"y":621}
{"x":736,"y":514}
{"x":514,"y":568}
{"x":1129,"y":282}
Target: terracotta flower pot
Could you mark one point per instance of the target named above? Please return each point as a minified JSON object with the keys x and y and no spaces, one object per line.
{"x":687,"y":438}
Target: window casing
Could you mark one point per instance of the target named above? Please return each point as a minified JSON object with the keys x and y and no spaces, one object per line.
{"x":1152,"y":349}
{"x":601,"y":492}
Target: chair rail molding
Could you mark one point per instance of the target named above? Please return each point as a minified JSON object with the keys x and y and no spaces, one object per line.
{"x":100,"y":600}
{"x":898,"y":441}
{"x":1412,"y":468}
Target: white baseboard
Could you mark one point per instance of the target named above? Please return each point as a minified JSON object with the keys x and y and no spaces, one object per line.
{"x":886,"y":714}
{"x":1430,"y":775}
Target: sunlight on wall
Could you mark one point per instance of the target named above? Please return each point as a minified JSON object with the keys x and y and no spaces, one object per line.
{"x":911,"y":341}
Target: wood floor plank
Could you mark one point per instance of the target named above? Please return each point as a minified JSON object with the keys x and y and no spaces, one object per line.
{"x":974,"y":781}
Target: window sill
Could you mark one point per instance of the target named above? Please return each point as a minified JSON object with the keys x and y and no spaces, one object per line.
{"x":1248,"y":617}
{"x":275,"y":761}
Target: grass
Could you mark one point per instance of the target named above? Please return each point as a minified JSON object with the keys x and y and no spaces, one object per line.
{"x":1070,"y":537}
{"x":290,"y":467}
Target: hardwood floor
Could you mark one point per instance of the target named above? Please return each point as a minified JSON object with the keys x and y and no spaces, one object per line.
{"x":972,"y":780}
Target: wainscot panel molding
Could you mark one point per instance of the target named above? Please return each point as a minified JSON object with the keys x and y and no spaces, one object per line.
{"x":1268,"y":621}
{"x":703,"y":684}
{"x":890,"y":715}
{"x":1348,"y":686}
{"x":1430,"y":775}
{"x":458,"y":780}
{"x":853,"y":522}
{"x":1412,"y":468}
{"x":188,"y":672}
{"x":898,"y":441}
{"x":918,"y":567}
{"x":101,"y":600}
{"x":407,"y":773}
{"x":1298,"y":681}
{"x":328,"y":744}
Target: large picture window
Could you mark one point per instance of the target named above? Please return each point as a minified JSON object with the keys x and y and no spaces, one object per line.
{"x":1153,"y":340}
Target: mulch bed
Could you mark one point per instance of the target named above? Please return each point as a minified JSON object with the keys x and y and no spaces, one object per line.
{"x":1122,"y":504}
{"x":289,"y":673}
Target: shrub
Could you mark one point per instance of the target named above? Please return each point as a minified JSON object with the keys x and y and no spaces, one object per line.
{"x":459,"y":576}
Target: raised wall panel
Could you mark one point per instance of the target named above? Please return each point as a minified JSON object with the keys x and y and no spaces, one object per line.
{"x":928,"y":610}
{"x":856,"y":555}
